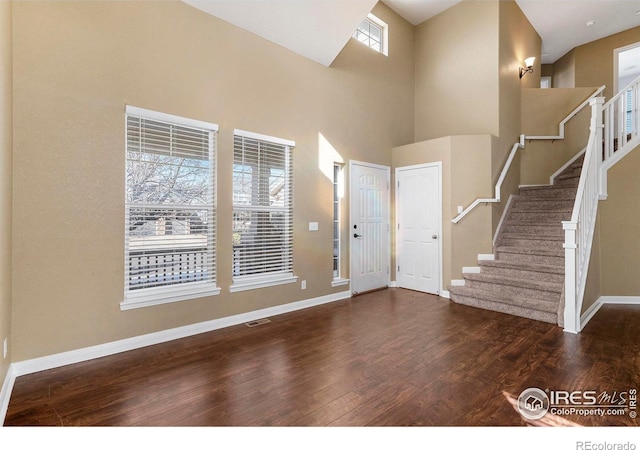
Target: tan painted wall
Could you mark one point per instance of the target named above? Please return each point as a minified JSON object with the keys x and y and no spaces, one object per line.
{"x":456,"y":72}
{"x":620,"y":251}
{"x":6,"y":151}
{"x":465,"y":174}
{"x":517,"y":41}
{"x":77,"y":64}
{"x":542,"y":111}
{"x":564,"y":71}
{"x":594,"y":61}
{"x":619,"y":230}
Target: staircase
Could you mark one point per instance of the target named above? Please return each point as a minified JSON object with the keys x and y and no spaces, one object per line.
{"x":526,"y":278}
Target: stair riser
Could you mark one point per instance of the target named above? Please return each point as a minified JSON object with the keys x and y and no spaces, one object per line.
{"x":531,"y":243}
{"x":531,"y":259}
{"x":543,"y":205}
{"x":534,"y":229}
{"x":569,"y":182}
{"x":533,"y":217}
{"x":527,"y":313}
{"x":549,"y":194}
{"x":524,"y":274}
{"x":504,"y":289}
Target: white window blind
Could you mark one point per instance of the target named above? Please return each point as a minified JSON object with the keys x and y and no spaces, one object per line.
{"x":170,"y":227}
{"x":262,"y":210}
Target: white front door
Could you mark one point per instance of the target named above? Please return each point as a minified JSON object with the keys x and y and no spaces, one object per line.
{"x":419,"y":216}
{"x":369,"y":226}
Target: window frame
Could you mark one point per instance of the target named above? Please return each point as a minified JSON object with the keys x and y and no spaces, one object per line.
{"x":376,"y":22}
{"x":275,"y":278}
{"x":338,"y":195}
{"x":180,"y":291}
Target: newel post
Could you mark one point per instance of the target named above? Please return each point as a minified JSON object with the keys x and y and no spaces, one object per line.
{"x":571,"y":315}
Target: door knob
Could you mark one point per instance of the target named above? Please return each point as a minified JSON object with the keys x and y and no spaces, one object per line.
{"x":435,"y":236}
{"x":356,"y":235}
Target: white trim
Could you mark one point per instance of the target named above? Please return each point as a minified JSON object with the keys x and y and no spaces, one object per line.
{"x":620,"y":300}
{"x":112,"y":348}
{"x":589,"y":313}
{"x":445,"y":294}
{"x":264,"y":137}
{"x":164,"y":117}
{"x":498,"y":188}
{"x":616,"y":60}
{"x":457,"y":283}
{"x":502,"y":218}
{"x":532,"y":185}
{"x":568,"y":118}
{"x":5,"y":393}
{"x":393,"y":284}
{"x":566,"y":165}
{"x":339,"y":282}
{"x":486,"y":257}
{"x":262,"y":282}
{"x":606,"y":300}
{"x":471,"y":270}
{"x":167,"y":294}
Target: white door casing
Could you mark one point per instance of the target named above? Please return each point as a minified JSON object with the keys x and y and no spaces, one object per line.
{"x":419,"y":224}
{"x":369,"y":226}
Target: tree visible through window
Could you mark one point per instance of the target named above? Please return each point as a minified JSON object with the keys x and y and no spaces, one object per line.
{"x":170,"y":217}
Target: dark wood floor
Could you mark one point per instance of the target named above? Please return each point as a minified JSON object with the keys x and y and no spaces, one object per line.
{"x":393,"y":357}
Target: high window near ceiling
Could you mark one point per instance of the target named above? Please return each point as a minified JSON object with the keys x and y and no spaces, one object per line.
{"x":262,"y":211}
{"x":373,"y":33}
{"x":170,"y":226}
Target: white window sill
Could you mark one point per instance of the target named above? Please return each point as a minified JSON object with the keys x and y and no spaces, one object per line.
{"x":339,"y":282}
{"x":167,"y":294}
{"x":248,"y":283}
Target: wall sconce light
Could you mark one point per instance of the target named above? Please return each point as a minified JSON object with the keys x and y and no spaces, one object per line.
{"x":529,"y":63}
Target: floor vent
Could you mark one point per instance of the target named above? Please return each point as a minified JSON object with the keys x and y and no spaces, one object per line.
{"x":255,"y":323}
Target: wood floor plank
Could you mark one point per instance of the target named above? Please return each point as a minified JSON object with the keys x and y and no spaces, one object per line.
{"x":387,"y":358}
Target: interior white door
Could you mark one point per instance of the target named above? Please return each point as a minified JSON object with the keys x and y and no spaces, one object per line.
{"x":419,"y":217}
{"x":369,"y":226}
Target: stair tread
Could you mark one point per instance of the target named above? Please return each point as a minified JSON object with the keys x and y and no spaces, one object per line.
{"x":517,"y":282}
{"x":519,"y":301}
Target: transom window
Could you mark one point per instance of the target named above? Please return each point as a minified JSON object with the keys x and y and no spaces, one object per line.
{"x":170,"y":223}
{"x":373,"y":33}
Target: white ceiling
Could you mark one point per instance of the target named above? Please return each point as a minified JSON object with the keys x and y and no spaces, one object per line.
{"x":319,"y":29}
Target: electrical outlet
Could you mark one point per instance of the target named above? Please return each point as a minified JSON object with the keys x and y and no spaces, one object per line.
{"x":5,"y":348}
{"x":304,"y":284}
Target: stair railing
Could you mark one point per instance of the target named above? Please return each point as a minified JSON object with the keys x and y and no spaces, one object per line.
{"x":498,"y":188}
{"x":580,"y":228}
{"x":621,"y":130}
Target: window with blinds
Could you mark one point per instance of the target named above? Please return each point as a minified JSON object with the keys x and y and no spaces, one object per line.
{"x":262,"y":211}
{"x":170,"y":227}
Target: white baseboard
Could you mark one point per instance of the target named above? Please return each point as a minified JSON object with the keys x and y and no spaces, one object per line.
{"x":5,"y":393}
{"x":486,"y":257}
{"x":457,"y":282}
{"x":471,"y":270}
{"x":111,"y":348}
{"x":620,"y":300}
{"x":393,"y":284}
{"x":606,"y":300}
{"x":445,"y":294}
